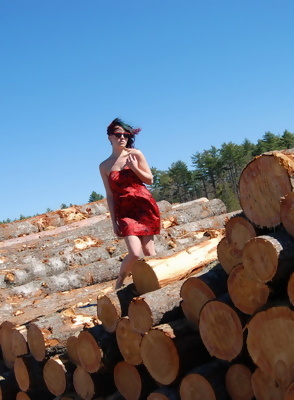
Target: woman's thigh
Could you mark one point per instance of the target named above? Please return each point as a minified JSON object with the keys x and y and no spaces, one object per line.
{"x":148,"y":245}
{"x":134,"y":245}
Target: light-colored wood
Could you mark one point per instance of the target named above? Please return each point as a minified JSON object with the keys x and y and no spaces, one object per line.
{"x":89,"y":352}
{"x":221,"y":330}
{"x":227,"y":256}
{"x":196,"y":387}
{"x":83,"y":383}
{"x":128,"y":341}
{"x":19,"y":344}
{"x":238,"y":382}
{"x":289,"y":394}
{"x":36,"y":342}
{"x":287,"y":212}
{"x":54,"y":376}
{"x":268,"y":256}
{"x":127,"y":380}
{"x":247,"y":294}
{"x":238,"y":231}
{"x":160,"y":356}
{"x":108,"y":312}
{"x":262,"y":183}
{"x":71,"y":346}
{"x":155,"y":273}
{"x":290,"y":288}
{"x":6,"y":344}
{"x":265,"y":387}
{"x":270,"y":343}
{"x":28,"y":373}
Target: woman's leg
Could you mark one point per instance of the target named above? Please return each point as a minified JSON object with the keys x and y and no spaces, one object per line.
{"x":148,"y":245}
{"x":134,"y":246}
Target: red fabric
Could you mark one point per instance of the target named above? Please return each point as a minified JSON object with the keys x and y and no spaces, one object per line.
{"x":135,"y":209}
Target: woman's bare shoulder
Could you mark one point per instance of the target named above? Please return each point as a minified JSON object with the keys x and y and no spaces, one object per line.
{"x":104,"y":165}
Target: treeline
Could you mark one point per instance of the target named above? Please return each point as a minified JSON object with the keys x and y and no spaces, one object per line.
{"x":215,"y":172}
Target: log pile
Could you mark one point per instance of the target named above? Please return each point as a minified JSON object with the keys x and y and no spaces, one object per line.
{"x":212,"y":319}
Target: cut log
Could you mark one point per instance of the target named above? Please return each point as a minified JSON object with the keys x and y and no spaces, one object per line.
{"x":166,"y":351}
{"x":205,"y":382}
{"x":290,"y":289}
{"x":268,"y":256}
{"x":238,"y":231}
{"x":247,"y":294}
{"x":164,"y":393}
{"x":273,"y":329}
{"x":157,"y":307}
{"x":227,"y":256}
{"x":129,"y":341}
{"x":29,"y":373}
{"x":132,"y":382}
{"x":238,"y":382}
{"x":265,"y":387}
{"x":287,"y":216}
{"x":36,"y":342}
{"x":89,"y":352}
{"x":151,"y":275}
{"x":57,"y":375}
{"x":289,"y":394}
{"x":112,"y":306}
{"x":83,"y":383}
{"x":196,"y":291}
{"x":262,"y":183}
{"x":19,"y":344}
{"x":221,"y":330}
{"x":6,"y":343}
{"x":71,"y":346}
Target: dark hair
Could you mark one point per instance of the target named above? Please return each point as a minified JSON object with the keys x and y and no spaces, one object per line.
{"x":127,"y":128}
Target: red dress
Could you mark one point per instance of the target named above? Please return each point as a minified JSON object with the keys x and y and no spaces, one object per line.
{"x":135,"y":210}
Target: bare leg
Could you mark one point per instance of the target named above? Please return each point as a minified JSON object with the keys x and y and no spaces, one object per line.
{"x":134,"y":246}
{"x":148,"y":245}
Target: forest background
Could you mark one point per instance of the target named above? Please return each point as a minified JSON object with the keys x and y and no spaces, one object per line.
{"x":215,"y":173}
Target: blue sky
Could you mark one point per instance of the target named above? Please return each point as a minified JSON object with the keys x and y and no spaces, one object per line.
{"x":190,"y":73}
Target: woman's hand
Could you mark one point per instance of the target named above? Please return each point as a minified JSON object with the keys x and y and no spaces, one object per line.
{"x":132,"y":162}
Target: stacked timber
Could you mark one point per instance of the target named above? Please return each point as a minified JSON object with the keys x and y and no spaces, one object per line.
{"x":55,"y":340}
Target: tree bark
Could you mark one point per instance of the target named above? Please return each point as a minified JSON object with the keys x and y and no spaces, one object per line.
{"x":155,"y":273}
{"x":221,"y":330}
{"x":268,"y":256}
{"x":263,"y":182}
{"x":273,"y":329}
{"x":238,"y":382}
{"x":247,"y":293}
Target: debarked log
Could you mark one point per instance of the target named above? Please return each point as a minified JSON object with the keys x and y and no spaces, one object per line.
{"x":158,"y":272}
{"x":269,"y":256}
{"x":262,"y":183}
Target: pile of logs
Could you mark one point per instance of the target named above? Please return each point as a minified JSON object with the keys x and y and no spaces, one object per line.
{"x":209,"y":318}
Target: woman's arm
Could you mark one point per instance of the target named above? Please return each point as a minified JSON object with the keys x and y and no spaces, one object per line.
{"x":109,"y":197}
{"x":137,"y":162}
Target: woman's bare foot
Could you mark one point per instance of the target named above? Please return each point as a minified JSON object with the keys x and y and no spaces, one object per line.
{"x":119,"y":282}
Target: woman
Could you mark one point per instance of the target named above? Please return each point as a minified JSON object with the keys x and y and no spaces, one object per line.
{"x":134,"y":212}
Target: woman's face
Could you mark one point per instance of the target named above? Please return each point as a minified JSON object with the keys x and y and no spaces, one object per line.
{"x":118,"y":136}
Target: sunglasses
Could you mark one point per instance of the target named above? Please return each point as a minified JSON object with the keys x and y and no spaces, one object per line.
{"x":119,"y":135}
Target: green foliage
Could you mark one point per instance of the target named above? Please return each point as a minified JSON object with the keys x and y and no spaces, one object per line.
{"x":95,"y":197}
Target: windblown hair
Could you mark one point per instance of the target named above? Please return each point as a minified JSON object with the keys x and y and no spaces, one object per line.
{"x":127,"y":128}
